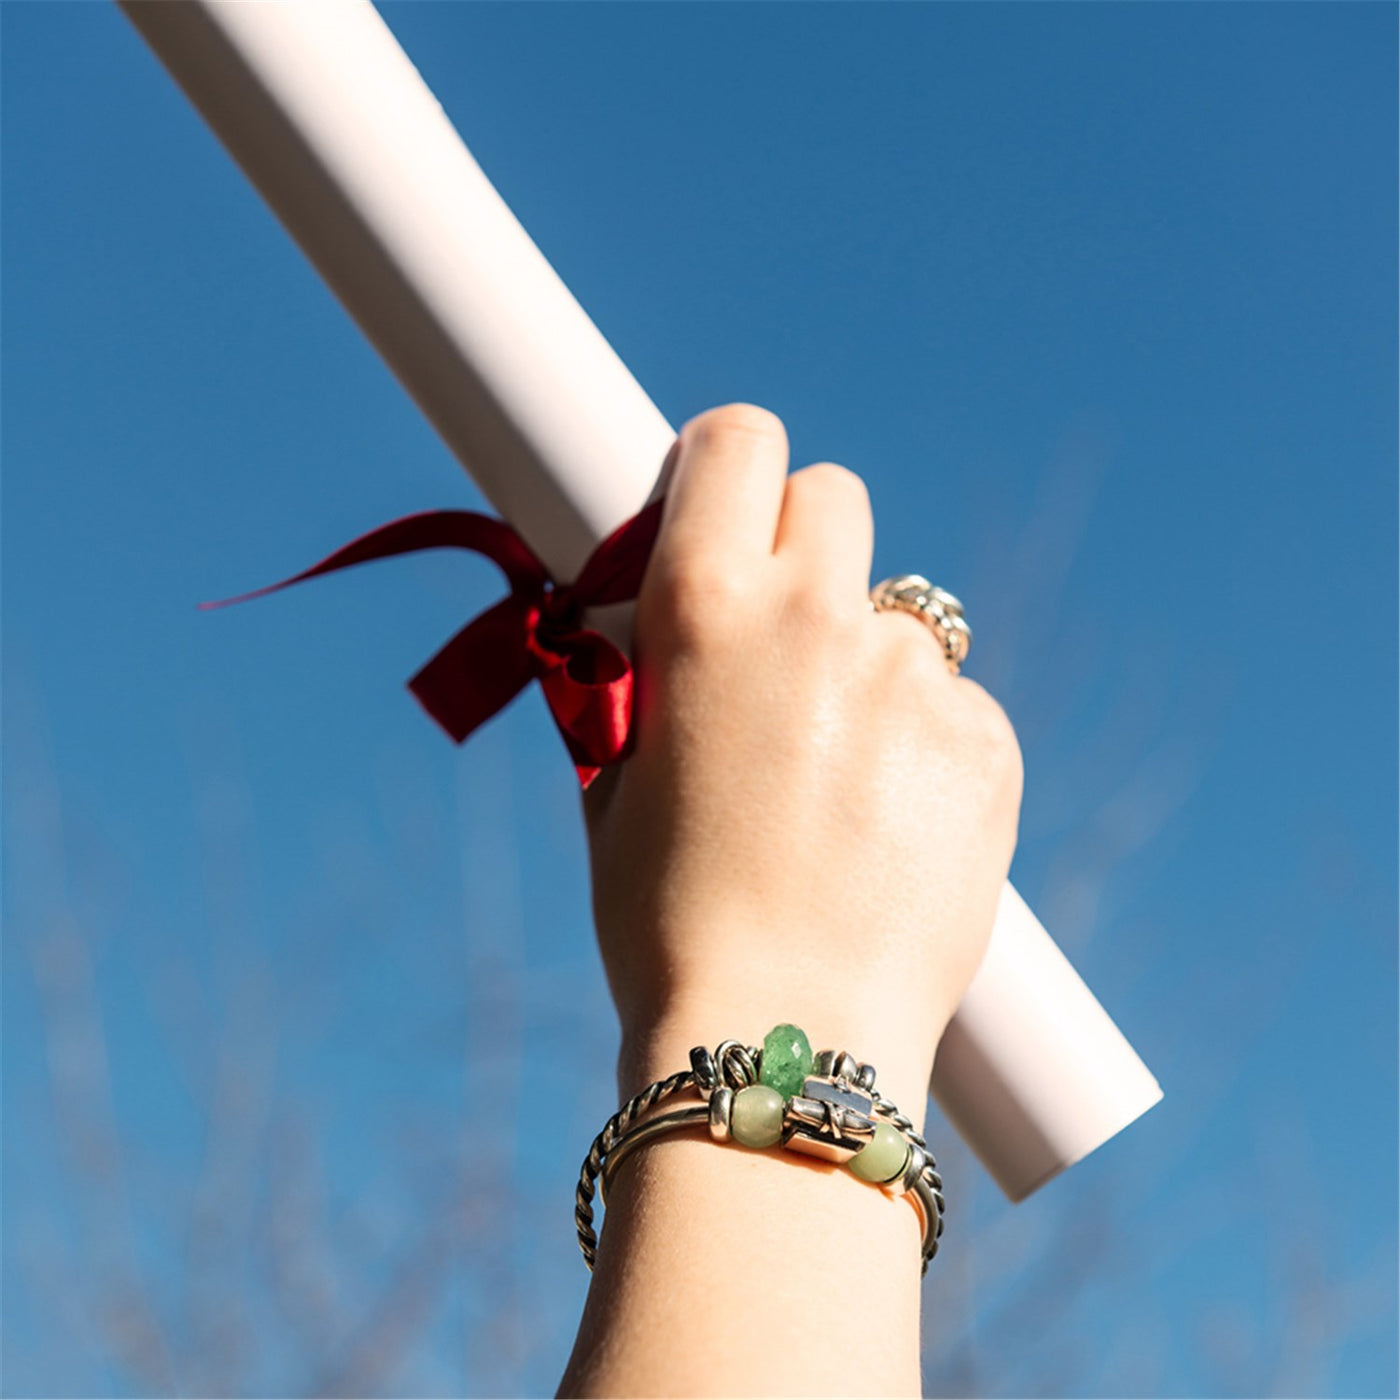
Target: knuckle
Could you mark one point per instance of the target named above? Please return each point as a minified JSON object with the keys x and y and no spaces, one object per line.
{"x":737,"y":421}
{"x":699,"y":600}
{"x":914,"y":657}
{"x":995,"y":736}
{"x":835,"y":480}
{"x":977,"y":727}
{"x":814,"y":611}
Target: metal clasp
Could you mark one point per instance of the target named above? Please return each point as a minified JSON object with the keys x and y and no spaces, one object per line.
{"x":831,"y":1118}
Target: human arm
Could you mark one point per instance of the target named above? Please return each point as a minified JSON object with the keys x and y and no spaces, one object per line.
{"x":813,"y":827}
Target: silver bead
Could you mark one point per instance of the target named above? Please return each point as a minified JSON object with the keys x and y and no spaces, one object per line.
{"x":737,"y":1064}
{"x":865,"y":1078}
{"x":904,"y":1182}
{"x":721,"y":1105}
{"x":703,"y":1067}
{"x":835,"y":1064}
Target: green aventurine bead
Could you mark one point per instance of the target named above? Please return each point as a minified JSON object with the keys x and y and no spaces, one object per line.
{"x":787,"y":1060}
{"x":883,"y":1157}
{"x":756,"y":1117}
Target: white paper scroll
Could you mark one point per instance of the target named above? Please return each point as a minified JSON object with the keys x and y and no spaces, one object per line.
{"x":331,"y":122}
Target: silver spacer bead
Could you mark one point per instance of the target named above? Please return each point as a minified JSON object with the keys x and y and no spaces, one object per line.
{"x":705,"y":1070}
{"x":721,"y":1105}
{"x":865,"y":1078}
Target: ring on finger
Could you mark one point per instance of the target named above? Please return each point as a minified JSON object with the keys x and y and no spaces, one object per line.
{"x":935,"y":607}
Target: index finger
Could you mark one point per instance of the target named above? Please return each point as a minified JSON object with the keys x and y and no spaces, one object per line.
{"x":726,"y":492}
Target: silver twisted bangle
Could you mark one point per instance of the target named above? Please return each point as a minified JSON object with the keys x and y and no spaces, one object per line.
{"x":825,"y":1105}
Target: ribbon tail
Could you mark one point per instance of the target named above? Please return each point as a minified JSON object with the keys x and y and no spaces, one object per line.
{"x":428,"y":529}
{"x":590,"y":698}
{"x":480,"y":671}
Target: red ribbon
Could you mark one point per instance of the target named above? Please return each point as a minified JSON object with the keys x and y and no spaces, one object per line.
{"x":535,"y":632}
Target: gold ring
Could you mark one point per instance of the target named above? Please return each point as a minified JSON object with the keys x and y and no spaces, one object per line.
{"x":936,"y":608}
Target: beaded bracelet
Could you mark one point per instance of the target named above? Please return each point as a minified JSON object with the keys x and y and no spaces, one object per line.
{"x":825,"y":1105}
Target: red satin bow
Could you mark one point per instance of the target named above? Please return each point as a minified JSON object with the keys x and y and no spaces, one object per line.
{"x":535,"y":632}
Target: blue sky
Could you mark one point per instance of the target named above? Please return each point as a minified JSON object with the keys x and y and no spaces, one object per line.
{"x":1101,"y":300}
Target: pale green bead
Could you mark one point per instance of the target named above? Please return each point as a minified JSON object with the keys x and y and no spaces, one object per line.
{"x":883,"y":1157}
{"x":756,"y":1118}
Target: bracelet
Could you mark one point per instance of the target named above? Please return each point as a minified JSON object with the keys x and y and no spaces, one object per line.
{"x":825,"y":1105}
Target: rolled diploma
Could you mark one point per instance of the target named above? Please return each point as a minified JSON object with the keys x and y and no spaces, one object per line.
{"x":323,"y":110}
